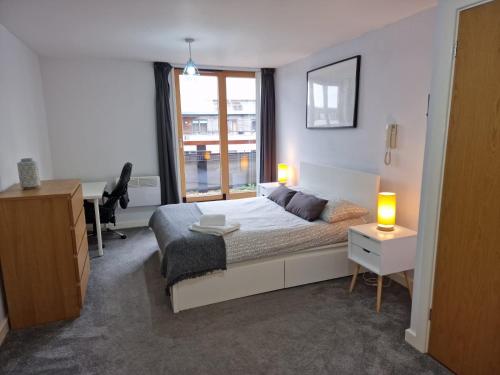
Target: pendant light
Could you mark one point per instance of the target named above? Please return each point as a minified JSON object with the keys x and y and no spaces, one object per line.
{"x":190,"y":69}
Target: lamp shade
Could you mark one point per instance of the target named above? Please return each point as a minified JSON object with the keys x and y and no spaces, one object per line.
{"x":190,"y":69}
{"x":386,"y":213}
{"x":282,"y":173}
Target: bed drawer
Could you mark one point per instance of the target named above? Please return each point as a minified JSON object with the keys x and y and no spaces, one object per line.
{"x":317,"y":266}
{"x":365,"y":242}
{"x":365,"y":258}
{"x":237,"y":281}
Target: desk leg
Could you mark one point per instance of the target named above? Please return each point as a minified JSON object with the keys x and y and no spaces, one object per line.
{"x":98,"y":227}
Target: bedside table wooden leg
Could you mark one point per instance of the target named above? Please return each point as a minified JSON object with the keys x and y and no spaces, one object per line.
{"x":408,"y":284}
{"x":354,"y":277}
{"x":379,"y":292}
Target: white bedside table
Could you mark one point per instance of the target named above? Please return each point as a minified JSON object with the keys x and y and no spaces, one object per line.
{"x":266,"y":188}
{"x":381,"y":252}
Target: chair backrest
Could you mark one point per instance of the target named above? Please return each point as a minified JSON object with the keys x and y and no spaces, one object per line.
{"x":120,"y":192}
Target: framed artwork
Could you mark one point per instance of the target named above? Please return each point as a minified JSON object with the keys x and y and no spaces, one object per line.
{"x":332,"y":95}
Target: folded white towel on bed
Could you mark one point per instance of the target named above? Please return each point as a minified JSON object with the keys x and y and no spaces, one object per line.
{"x":212,"y":220}
{"x":218,"y":230}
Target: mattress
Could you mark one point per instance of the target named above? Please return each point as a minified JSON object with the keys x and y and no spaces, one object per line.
{"x":268,"y":230}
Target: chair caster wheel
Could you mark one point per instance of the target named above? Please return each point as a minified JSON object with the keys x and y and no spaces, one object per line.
{"x":123,"y":236}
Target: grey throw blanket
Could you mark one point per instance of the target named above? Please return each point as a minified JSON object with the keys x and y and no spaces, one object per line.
{"x":186,"y":254}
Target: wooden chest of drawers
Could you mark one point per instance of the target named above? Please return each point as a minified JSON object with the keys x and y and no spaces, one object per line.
{"x":43,"y":252}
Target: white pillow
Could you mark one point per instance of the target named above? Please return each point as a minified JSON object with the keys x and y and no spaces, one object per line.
{"x":340,"y":210}
{"x":337,"y":209}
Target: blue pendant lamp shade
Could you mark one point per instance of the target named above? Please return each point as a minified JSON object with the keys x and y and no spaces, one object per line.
{"x":190,"y":69}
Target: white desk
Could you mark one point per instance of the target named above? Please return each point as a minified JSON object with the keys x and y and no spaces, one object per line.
{"x":92,"y":191}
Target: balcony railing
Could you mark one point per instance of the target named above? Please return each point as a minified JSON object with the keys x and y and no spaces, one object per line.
{"x":203,"y":173}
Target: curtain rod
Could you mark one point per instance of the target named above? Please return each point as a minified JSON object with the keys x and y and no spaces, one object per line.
{"x":219,"y":68}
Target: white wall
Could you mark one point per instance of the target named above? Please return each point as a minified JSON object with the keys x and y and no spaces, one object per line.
{"x":101,"y":113}
{"x":439,"y":108}
{"x":395,"y":81}
{"x":23,"y":126}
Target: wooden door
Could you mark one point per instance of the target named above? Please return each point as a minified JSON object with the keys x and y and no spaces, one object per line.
{"x":465,"y":317}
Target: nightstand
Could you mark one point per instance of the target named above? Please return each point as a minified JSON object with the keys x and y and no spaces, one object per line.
{"x":266,"y":188}
{"x":383,"y":253}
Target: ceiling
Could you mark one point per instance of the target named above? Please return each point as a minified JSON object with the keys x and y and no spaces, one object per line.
{"x":237,"y":33}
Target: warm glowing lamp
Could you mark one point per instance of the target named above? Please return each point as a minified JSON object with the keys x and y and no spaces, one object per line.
{"x":244,"y":162}
{"x":386,"y":216}
{"x":282,"y":173}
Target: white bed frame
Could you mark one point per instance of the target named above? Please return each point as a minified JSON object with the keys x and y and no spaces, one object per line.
{"x":285,"y":271}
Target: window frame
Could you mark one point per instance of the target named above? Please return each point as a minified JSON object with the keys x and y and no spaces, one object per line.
{"x":223,"y":135}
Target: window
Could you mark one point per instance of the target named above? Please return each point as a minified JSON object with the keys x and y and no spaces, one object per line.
{"x":216,"y":114}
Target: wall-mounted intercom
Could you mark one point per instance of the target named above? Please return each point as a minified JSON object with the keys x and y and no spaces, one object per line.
{"x":391,"y":135}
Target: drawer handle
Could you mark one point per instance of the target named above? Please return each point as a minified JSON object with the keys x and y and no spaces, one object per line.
{"x":366,"y":251}
{"x":366,"y":237}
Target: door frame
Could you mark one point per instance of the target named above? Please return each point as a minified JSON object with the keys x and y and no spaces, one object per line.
{"x":223,"y":134}
{"x":447,"y":18}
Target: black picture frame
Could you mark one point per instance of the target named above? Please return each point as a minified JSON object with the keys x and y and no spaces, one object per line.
{"x":350,"y":100}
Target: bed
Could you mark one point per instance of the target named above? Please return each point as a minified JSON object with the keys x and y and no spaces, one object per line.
{"x":275,"y":249}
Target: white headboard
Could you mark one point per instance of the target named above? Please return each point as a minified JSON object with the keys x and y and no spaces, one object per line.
{"x":332,"y":182}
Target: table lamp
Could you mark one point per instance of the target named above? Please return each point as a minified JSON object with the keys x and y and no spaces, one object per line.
{"x":282,"y":173}
{"x":386,"y":213}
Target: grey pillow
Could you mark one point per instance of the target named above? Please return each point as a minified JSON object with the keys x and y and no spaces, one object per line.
{"x":281,"y":195}
{"x":306,"y":206}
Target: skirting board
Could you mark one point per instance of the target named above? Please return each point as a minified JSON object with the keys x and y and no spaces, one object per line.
{"x":130,"y":224}
{"x":123,"y":225}
{"x":4,"y":329}
{"x":411,"y":337}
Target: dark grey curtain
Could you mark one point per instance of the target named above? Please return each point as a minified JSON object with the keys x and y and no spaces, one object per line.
{"x":267,"y":127}
{"x":165,"y":135}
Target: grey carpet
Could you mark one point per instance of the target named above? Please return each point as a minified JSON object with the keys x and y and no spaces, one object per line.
{"x":127,"y":327}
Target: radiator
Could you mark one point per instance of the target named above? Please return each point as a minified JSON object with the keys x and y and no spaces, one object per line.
{"x":144,"y":191}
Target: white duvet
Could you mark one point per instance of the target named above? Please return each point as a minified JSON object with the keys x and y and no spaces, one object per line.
{"x":267,"y":229}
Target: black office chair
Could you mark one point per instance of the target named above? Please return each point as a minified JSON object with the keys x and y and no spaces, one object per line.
{"x":110,"y":202}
